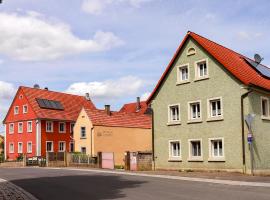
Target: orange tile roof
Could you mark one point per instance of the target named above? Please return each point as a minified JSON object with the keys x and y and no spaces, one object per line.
{"x":131,"y":108}
{"x":72,"y":104}
{"x":119,"y":119}
{"x":234,"y":62}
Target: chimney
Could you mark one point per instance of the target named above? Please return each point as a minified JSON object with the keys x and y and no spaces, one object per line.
{"x":87,"y":96}
{"x":138,"y":104}
{"x":36,"y":86}
{"x":108,"y":109}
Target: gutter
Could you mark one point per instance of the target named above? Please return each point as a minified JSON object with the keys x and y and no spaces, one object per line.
{"x":243,"y":96}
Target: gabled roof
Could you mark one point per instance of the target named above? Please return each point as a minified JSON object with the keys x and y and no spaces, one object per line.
{"x":234,"y":62}
{"x":72,"y":104}
{"x":132,"y":108}
{"x":119,"y":119}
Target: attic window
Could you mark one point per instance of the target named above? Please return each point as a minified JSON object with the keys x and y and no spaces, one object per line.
{"x":191,"y":51}
{"x":50,"y":104}
{"x":21,"y":96}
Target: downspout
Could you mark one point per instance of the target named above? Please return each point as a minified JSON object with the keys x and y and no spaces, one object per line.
{"x":243,"y":96}
{"x":153,"y":139}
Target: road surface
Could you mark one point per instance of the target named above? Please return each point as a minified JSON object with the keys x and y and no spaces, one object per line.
{"x":56,"y":184}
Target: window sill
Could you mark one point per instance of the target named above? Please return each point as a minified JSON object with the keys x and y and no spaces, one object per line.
{"x":174,"y":123}
{"x":265,"y":118}
{"x":222,"y":159}
{"x":62,"y":132}
{"x":49,"y":131}
{"x":199,"y":159}
{"x":83,"y":138}
{"x":194,"y":121}
{"x":212,"y":119}
{"x":202,"y":78}
{"x":175,"y":159}
{"x":182,"y":82}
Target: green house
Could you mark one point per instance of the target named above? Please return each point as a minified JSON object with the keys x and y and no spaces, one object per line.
{"x":199,"y":109}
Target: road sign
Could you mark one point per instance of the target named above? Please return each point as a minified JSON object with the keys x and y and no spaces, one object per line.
{"x":250,"y":138}
{"x":249,"y":118}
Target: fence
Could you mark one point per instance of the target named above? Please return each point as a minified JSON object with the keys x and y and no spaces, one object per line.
{"x":138,"y":161}
{"x":56,"y":159}
{"x":82,"y":160}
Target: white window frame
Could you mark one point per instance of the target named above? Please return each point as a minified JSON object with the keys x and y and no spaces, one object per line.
{"x":28,"y":150}
{"x":11,"y":143}
{"x":212,"y":157}
{"x":197,"y":73}
{"x":9,"y":129}
{"x":191,"y":157}
{"x":65,"y":128}
{"x":267,"y":117}
{"x":209,"y":109}
{"x":49,"y":122}
{"x":72,"y":131}
{"x":179,"y":74}
{"x":172,"y":157}
{"x":25,"y":110}
{"x":16,"y":110}
{"x":47,"y":146}
{"x":64,"y":142}
{"x":194,"y":120}
{"x":20,"y":131}
{"x":20,"y":151}
{"x":81,"y":132}
{"x":191,"y":51}
{"x":31,"y":129}
{"x":170,"y":121}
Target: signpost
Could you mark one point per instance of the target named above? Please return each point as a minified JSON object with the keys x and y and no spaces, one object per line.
{"x":249,"y":119}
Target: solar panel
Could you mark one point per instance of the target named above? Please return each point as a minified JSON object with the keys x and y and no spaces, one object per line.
{"x":50,"y":104}
{"x":265,"y":71}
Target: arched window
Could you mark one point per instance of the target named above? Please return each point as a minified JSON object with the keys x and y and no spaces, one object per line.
{"x":191,"y":51}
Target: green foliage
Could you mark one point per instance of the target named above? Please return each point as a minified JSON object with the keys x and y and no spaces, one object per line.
{"x":119,"y":167}
{"x":20,"y":157}
{"x":2,"y":157}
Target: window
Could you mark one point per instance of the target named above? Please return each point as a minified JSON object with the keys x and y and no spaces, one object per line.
{"x":71,"y":147}
{"x":20,"y":147}
{"x":29,"y":126}
{"x":25,"y":109}
{"x":49,"y":146}
{"x":174,"y":113}
{"x":195,"y":151}
{"x":11,"y":128}
{"x":194,"y":110}
{"x":265,"y":107}
{"x":62,"y":146}
{"x":11,"y":147}
{"x":16,"y":110}
{"x":175,"y":151}
{"x":83,"y":132}
{"x":29,"y":147}
{"x":216,"y":148}
{"x":72,"y":127}
{"x":49,"y":127}
{"x":183,"y":73}
{"x":83,"y":150}
{"x":191,"y":51}
{"x":215,"y":108}
{"x":201,"y":69}
{"x":20,"y":127}
{"x":62,"y":127}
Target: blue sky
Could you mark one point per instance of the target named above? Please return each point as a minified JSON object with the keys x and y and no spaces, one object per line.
{"x":115,"y":49}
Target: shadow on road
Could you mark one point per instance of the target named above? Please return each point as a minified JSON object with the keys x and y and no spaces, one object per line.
{"x":94,"y":187}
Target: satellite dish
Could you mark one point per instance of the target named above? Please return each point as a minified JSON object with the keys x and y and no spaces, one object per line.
{"x":258,"y":59}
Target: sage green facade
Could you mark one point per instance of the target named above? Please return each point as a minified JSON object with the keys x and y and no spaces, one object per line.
{"x":220,"y":83}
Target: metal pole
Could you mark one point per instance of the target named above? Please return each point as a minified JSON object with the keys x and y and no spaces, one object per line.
{"x":251,"y":158}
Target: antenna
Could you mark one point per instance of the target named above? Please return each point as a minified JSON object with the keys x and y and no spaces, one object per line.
{"x":258,"y":59}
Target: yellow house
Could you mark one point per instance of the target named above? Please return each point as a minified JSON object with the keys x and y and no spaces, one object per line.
{"x":113,"y":132}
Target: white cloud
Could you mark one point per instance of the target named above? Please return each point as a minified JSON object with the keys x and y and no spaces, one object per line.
{"x":7,"y":90}
{"x":145,"y":96}
{"x":96,"y":7}
{"x":31,"y":37}
{"x":245,"y":35}
{"x":108,"y":89}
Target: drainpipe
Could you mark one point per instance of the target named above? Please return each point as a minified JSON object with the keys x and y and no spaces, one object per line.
{"x":243,"y":96}
{"x":153,"y":138}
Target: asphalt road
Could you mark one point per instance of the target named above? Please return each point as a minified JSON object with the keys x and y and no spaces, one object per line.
{"x":54,"y":184}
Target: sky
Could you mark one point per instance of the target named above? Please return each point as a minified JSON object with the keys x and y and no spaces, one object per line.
{"x":115,"y":50}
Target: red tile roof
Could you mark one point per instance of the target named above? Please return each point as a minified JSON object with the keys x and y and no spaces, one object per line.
{"x":131,"y":108}
{"x":234,"y":62}
{"x":72,"y":104}
{"x":119,"y":119}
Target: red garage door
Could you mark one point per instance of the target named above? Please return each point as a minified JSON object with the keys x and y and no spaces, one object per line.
{"x":107,"y":161}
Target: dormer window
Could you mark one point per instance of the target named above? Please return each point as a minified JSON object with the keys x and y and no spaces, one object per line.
{"x":201,"y":69}
{"x":191,"y":51}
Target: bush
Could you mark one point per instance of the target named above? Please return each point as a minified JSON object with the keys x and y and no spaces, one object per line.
{"x":20,"y":157}
{"x":2,"y":158}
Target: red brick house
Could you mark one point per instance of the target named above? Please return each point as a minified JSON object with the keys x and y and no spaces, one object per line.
{"x":40,"y":120}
